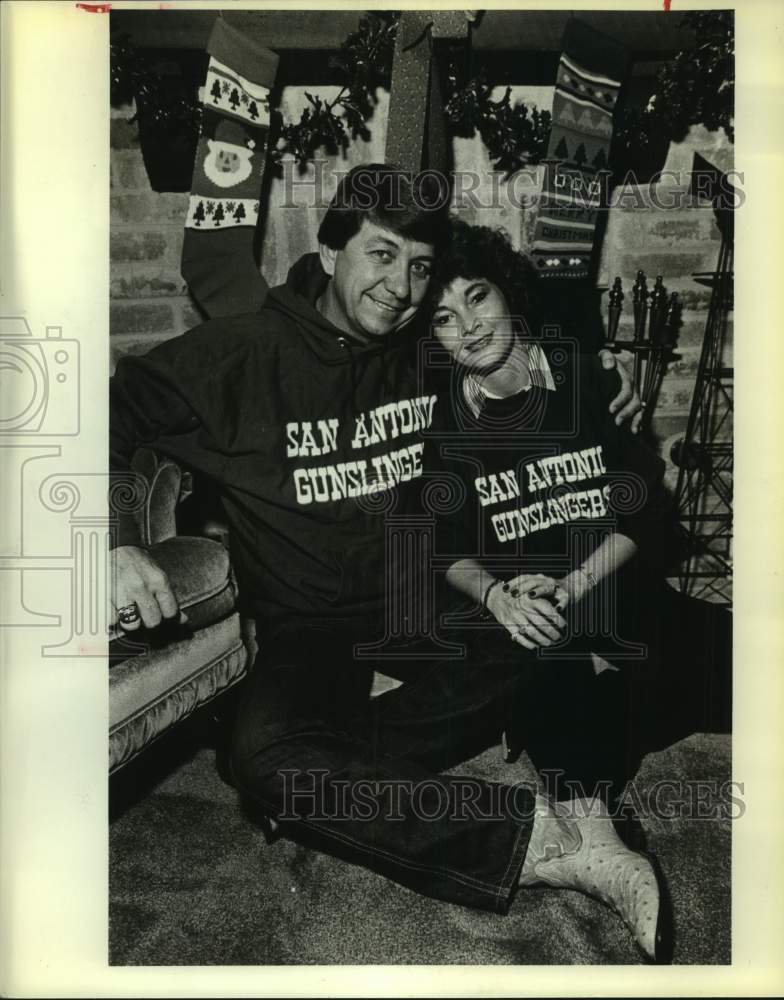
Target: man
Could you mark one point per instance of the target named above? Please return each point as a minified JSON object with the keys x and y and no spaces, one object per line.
{"x":310,"y":418}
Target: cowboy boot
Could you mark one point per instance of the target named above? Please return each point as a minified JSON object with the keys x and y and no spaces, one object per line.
{"x":574,"y":846}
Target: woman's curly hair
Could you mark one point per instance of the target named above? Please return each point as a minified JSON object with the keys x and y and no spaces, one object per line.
{"x":481,"y":252}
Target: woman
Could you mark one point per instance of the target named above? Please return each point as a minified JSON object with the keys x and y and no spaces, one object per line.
{"x":567,"y":509}
{"x":557,"y":540}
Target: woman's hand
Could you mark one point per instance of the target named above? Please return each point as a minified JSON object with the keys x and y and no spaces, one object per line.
{"x":538,"y":585}
{"x":531,"y":621}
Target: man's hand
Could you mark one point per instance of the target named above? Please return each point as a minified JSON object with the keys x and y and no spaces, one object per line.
{"x":627,"y":404}
{"x":139,"y":580}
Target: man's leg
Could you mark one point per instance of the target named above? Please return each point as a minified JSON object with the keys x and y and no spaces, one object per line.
{"x":358,"y":782}
{"x":414,"y":826}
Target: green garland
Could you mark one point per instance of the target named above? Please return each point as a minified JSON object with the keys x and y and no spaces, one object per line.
{"x":363,"y":65}
{"x":695,"y":87}
{"x":513,"y":136}
{"x":162,"y":99}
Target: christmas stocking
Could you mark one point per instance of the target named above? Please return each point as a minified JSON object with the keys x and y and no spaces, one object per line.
{"x":586,"y":90}
{"x":217,"y":255}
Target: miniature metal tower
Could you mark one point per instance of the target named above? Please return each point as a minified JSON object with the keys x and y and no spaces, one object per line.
{"x":705,"y":454}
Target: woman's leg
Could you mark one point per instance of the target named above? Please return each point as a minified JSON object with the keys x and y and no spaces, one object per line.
{"x":574,"y":729}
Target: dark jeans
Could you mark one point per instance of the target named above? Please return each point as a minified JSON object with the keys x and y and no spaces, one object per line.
{"x":360,"y":779}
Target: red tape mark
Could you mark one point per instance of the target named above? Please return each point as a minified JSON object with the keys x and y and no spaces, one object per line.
{"x":667,"y":4}
{"x":95,"y":8}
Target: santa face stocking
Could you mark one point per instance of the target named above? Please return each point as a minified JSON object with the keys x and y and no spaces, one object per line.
{"x":217,"y":255}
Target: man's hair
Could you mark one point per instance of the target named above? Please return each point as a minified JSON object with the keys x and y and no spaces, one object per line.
{"x":481,"y":252}
{"x":416,"y":207}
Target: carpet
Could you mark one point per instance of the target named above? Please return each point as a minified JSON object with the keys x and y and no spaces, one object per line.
{"x":192,"y":881}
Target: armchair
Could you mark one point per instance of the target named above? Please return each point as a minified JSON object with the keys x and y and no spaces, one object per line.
{"x":159,"y":677}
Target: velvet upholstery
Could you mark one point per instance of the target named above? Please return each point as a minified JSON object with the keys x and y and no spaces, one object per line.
{"x":199,"y":572}
{"x":160,"y":676}
{"x":151,"y":692}
{"x":201,"y":577}
{"x":155,"y":519}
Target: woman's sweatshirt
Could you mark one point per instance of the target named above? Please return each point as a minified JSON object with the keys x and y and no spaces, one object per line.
{"x":544,"y":476}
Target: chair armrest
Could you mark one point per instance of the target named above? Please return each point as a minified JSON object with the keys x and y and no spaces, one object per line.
{"x":168,"y":485}
{"x":204,"y":585}
{"x":217,"y":530}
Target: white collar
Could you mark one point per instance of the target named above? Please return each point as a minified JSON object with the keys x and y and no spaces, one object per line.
{"x":538,"y":369}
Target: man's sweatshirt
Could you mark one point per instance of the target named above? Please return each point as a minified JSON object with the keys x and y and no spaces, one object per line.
{"x":313,"y":438}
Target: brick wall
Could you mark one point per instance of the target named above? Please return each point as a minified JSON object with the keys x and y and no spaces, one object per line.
{"x":149,"y":300}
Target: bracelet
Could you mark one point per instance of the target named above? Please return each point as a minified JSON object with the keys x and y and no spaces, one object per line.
{"x":490,"y":586}
{"x":588,"y":576}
